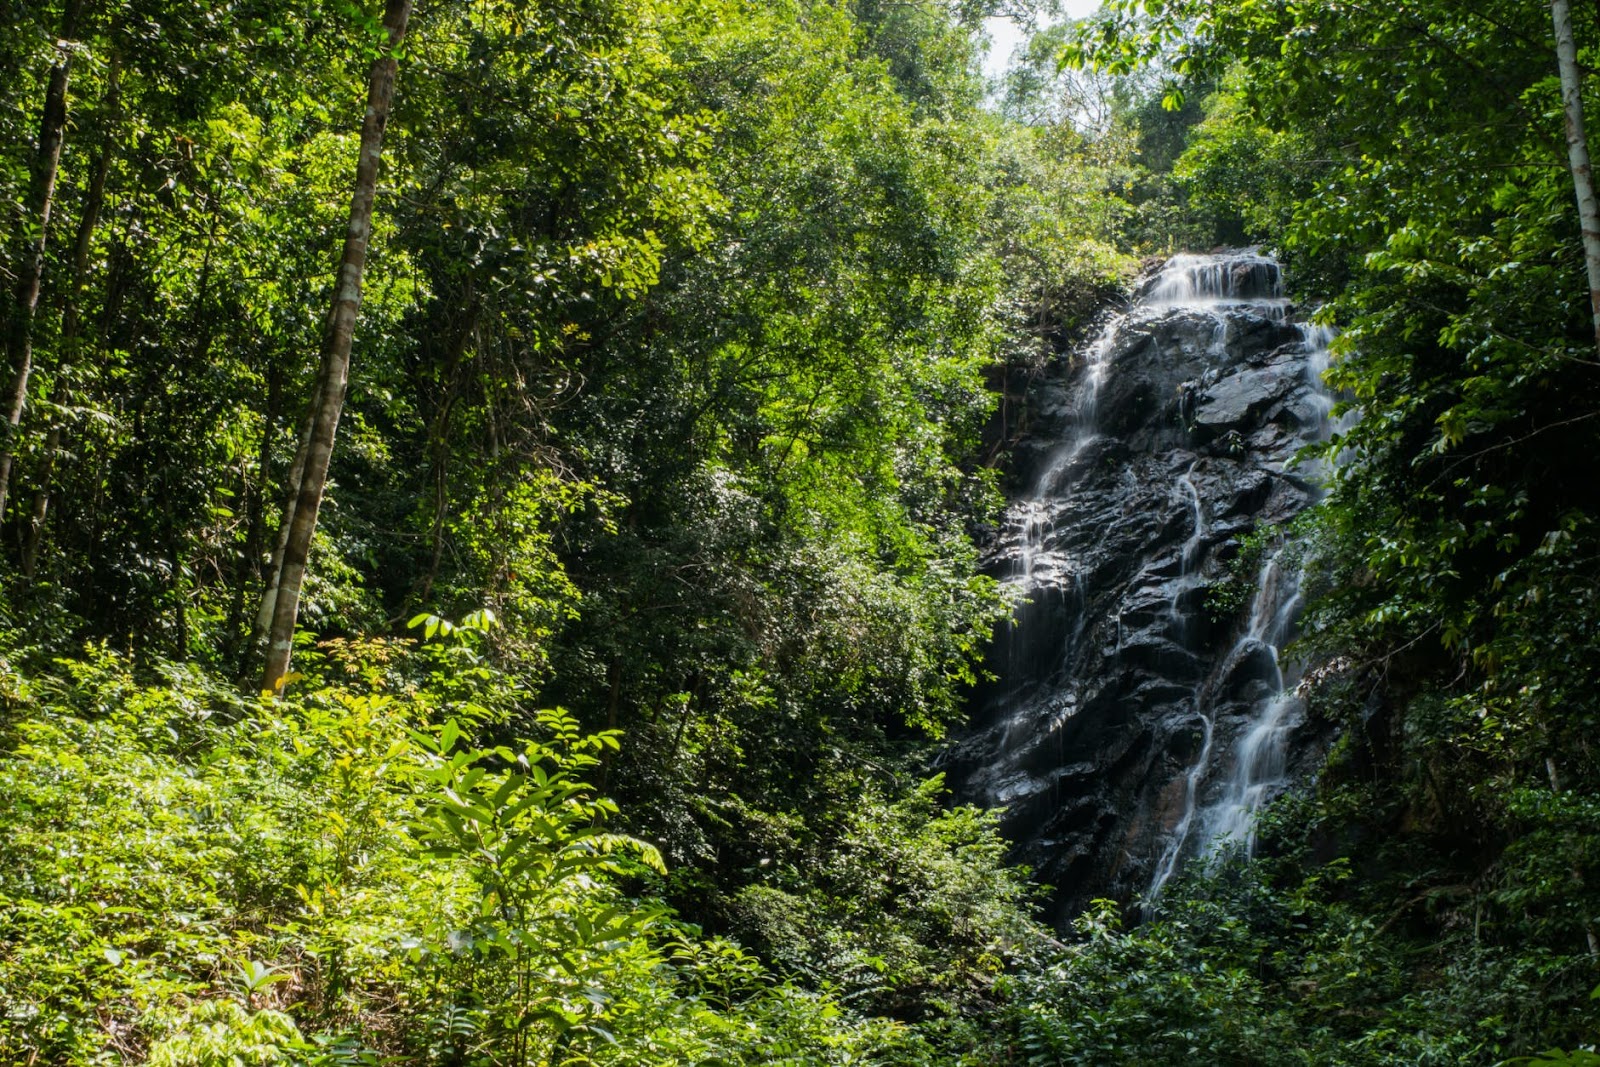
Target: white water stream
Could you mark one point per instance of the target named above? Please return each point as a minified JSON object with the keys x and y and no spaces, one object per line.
{"x":1187,"y":580}
{"x":1258,"y":770}
{"x":1260,"y":762}
{"x":1041,"y":570}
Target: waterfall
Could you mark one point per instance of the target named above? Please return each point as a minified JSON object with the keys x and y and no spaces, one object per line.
{"x":1189,"y":558}
{"x":1041,"y":571}
{"x":1259,"y":770}
{"x":1033,"y":511}
{"x":1260,"y":764}
{"x":1215,"y":285}
{"x":1261,"y":756}
{"x":1127,"y":730}
{"x":1187,"y":281}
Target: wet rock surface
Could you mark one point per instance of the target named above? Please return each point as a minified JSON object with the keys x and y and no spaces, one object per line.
{"x":1121,"y":702}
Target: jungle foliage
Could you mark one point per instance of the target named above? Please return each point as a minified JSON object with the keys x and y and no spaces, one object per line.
{"x":670,"y":385}
{"x":343,"y":876}
{"x":692,"y":335}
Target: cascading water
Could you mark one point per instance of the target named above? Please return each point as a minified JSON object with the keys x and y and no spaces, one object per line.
{"x":1044,"y":578}
{"x":1033,"y":512}
{"x":1260,"y":759}
{"x":1199,"y":281}
{"x":1128,"y":730}
{"x":1261,"y":755}
{"x":1190,"y":558}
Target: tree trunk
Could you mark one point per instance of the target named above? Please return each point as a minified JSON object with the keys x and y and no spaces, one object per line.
{"x":34,"y":538}
{"x":1578,"y":154}
{"x":93,"y":204}
{"x":297,"y":467}
{"x":300,"y":518}
{"x":1591,"y":937}
{"x":247,"y":563}
{"x":71,"y":313}
{"x":46,"y":165}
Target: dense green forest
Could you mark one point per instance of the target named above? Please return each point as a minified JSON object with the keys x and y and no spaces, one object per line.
{"x":491,"y":501}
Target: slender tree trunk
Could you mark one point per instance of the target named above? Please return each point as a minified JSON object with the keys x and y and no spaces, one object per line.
{"x":247,"y":565}
{"x":300,"y":518}
{"x":182,"y":588}
{"x":1578,"y":153}
{"x":47,"y":163}
{"x":41,"y":504}
{"x":297,"y":467}
{"x":613,"y":711}
{"x":71,"y":313}
{"x":93,"y":203}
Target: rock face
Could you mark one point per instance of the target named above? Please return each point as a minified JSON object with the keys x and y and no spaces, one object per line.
{"x":1129,"y":729}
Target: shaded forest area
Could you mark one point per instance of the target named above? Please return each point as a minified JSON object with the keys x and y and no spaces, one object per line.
{"x":683,"y":343}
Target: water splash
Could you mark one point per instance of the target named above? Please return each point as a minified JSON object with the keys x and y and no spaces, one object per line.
{"x":1239,"y":279}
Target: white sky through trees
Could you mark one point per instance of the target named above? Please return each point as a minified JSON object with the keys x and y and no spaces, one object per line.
{"x":1005,"y":35}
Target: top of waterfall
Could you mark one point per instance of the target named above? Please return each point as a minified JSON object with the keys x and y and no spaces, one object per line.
{"x":1241,"y":276}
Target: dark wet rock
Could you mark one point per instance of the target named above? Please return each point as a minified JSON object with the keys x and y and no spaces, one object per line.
{"x":1238,"y":401}
{"x":1137,"y":492}
{"x":1246,"y":676}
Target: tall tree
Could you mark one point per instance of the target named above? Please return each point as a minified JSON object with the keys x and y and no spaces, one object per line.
{"x":316,"y":445}
{"x":1578,"y":153}
{"x":47,"y":164}
{"x":71,"y":313}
